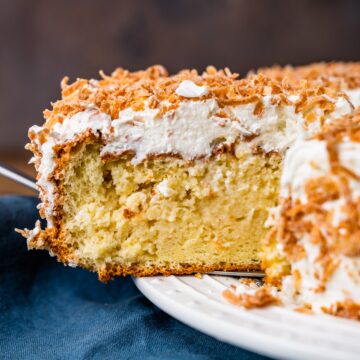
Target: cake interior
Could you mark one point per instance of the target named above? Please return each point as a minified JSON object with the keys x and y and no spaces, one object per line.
{"x":167,"y":214}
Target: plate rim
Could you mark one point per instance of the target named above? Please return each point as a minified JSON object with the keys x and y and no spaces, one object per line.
{"x":229,"y":333}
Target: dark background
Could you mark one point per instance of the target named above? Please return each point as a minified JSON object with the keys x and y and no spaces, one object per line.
{"x":43,"y":40}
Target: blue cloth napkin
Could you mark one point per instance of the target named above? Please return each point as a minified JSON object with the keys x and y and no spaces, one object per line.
{"x":49,"y":311}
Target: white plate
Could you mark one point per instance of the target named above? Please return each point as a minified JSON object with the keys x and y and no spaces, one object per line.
{"x":273,"y":331}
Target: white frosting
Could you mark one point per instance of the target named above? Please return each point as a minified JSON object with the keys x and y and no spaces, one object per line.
{"x":309,"y":160}
{"x":189,"y":89}
{"x":354,"y":96}
{"x":343,"y":284}
{"x":300,"y":165}
{"x":349,"y":156}
{"x":342,"y":107}
{"x":192,"y":128}
{"x":189,"y":131}
{"x":276,"y":129}
{"x":90,"y":119}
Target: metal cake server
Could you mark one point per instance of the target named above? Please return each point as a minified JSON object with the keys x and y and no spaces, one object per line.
{"x":29,"y":182}
{"x":18,"y":177}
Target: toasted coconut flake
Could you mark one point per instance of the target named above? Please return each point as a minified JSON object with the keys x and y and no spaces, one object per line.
{"x":347,"y":309}
{"x":261,"y":298}
{"x":336,"y":75}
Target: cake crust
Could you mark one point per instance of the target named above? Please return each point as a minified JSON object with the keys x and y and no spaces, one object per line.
{"x":184,"y":269}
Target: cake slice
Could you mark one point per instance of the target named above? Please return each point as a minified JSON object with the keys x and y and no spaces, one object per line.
{"x":144,"y":173}
{"x":342,"y":76}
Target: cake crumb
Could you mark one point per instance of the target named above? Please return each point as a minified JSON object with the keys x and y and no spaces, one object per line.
{"x":346,"y":309}
{"x":305,"y":309}
{"x":261,"y":298}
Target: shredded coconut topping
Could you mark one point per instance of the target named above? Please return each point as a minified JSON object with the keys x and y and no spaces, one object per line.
{"x":337,"y":75}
